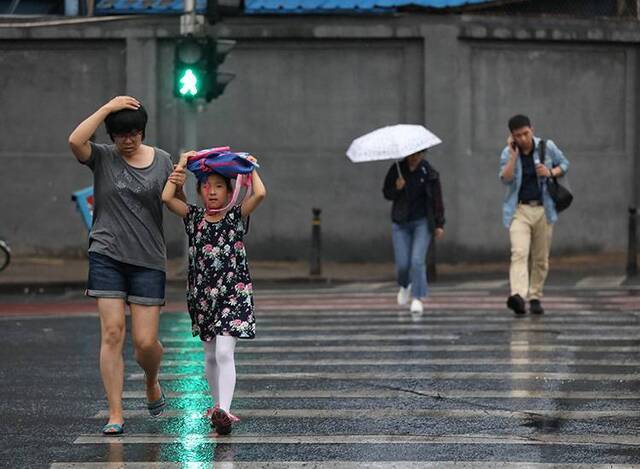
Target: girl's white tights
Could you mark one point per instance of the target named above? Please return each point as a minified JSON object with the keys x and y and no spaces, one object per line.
{"x":221,"y":369}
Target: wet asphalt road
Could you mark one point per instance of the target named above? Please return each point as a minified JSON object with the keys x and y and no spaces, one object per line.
{"x":344,"y":378}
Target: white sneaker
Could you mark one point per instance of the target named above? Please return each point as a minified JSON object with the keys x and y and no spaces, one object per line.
{"x":416,"y":307}
{"x":403,"y":295}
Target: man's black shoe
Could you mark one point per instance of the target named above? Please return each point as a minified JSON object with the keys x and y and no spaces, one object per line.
{"x":535,"y":307}
{"x":516,"y":304}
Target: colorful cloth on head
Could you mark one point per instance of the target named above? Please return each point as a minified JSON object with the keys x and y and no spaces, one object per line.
{"x":220,"y":160}
{"x":223,"y":161}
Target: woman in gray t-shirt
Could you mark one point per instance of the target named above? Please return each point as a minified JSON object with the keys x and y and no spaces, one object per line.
{"x":126,"y":245}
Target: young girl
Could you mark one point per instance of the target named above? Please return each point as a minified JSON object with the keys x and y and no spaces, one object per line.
{"x":220,"y":295}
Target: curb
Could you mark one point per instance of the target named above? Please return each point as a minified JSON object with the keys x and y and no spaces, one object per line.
{"x":54,"y":287}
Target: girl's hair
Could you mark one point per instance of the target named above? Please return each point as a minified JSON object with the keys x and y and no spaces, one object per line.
{"x":125,"y":121}
{"x":227,"y":181}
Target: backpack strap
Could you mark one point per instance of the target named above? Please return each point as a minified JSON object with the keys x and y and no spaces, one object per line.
{"x":542,"y":150}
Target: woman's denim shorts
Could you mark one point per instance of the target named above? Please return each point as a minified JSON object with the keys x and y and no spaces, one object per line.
{"x":109,"y":278}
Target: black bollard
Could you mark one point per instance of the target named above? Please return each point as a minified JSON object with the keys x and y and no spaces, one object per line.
{"x":315,"y":264}
{"x":632,"y":248}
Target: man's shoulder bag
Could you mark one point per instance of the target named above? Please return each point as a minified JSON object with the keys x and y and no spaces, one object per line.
{"x":561,"y":196}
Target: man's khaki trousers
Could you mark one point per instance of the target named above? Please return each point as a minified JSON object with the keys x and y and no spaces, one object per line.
{"x":530,"y":235}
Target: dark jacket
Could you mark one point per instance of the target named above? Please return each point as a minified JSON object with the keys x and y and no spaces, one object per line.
{"x":400,"y":198}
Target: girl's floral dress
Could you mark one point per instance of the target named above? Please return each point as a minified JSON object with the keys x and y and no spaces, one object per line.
{"x":220,"y":293}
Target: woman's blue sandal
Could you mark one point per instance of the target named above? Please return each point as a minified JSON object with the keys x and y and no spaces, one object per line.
{"x":157,"y":407}
{"x":113,"y":429}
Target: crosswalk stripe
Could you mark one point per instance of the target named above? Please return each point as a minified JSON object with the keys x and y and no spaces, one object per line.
{"x":248,"y":347}
{"x":428,"y":319}
{"x":432,"y":314}
{"x":389,"y":289}
{"x":601,"y":282}
{"x":459,"y":296}
{"x":379,"y":393}
{"x":424,"y":337}
{"x":395,"y":412}
{"x":599,"y":338}
{"x":417,"y":326}
{"x":459,"y":375}
{"x":478,"y":308}
{"x":558,"y":439}
{"x":334,"y":338}
{"x":313,"y":362}
{"x":337,"y":465}
{"x":488,"y":301}
{"x":482,"y":285}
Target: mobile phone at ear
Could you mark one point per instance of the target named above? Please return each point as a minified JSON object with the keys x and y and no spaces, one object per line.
{"x":514,"y":146}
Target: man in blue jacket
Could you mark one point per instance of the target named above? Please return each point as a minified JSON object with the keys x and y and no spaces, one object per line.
{"x":528,"y":211}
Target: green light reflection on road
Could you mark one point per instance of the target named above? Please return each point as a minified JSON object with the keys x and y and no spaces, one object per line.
{"x":194,"y":450}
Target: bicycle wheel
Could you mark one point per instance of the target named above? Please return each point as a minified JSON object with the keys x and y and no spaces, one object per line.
{"x":5,"y":255}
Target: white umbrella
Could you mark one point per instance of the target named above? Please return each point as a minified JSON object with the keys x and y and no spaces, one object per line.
{"x":391,"y":143}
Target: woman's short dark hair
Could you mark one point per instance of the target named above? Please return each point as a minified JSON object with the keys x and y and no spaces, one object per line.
{"x":519,"y":121}
{"x":126,"y":121}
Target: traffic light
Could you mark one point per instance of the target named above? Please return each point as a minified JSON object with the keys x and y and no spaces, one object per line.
{"x":191,"y":63}
{"x":219,"y":80}
{"x":196,"y":73}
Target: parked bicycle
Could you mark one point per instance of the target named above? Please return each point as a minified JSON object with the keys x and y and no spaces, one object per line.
{"x":5,"y":255}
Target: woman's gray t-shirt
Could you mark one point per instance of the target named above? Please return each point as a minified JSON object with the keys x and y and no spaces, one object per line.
{"x":127,"y":212}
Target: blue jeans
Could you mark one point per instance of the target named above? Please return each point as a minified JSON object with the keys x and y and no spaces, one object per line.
{"x":410,"y":244}
{"x":109,"y":278}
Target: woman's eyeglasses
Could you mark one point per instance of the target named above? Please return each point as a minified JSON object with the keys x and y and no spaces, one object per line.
{"x":128,"y":136}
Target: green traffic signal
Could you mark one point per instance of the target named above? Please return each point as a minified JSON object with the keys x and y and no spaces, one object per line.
{"x":189,"y":83}
{"x":191,"y":62}
{"x":196,"y":68}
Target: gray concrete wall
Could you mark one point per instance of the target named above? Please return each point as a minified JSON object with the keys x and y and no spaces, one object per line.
{"x":305,"y":88}
{"x":46,"y":88}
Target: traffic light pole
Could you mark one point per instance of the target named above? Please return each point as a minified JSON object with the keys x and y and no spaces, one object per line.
{"x":188,"y":25}
{"x":190,"y":142}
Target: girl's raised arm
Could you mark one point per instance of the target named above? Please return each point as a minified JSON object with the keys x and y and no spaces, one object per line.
{"x":258,"y":195}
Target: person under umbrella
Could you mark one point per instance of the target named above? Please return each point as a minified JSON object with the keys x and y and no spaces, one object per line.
{"x":417,"y":215}
{"x":417,"y":212}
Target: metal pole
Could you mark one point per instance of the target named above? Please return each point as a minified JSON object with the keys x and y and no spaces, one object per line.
{"x":315,"y":264}
{"x":189,"y":114}
{"x":632,"y":247}
{"x":190,"y":142}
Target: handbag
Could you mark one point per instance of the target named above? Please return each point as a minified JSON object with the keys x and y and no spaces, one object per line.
{"x":560,"y":194}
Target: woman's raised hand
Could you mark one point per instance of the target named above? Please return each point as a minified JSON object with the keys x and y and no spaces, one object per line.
{"x":184,"y":158}
{"x":122,"y":102}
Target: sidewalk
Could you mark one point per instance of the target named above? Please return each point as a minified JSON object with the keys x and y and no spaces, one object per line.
{"x":46,"y":274}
